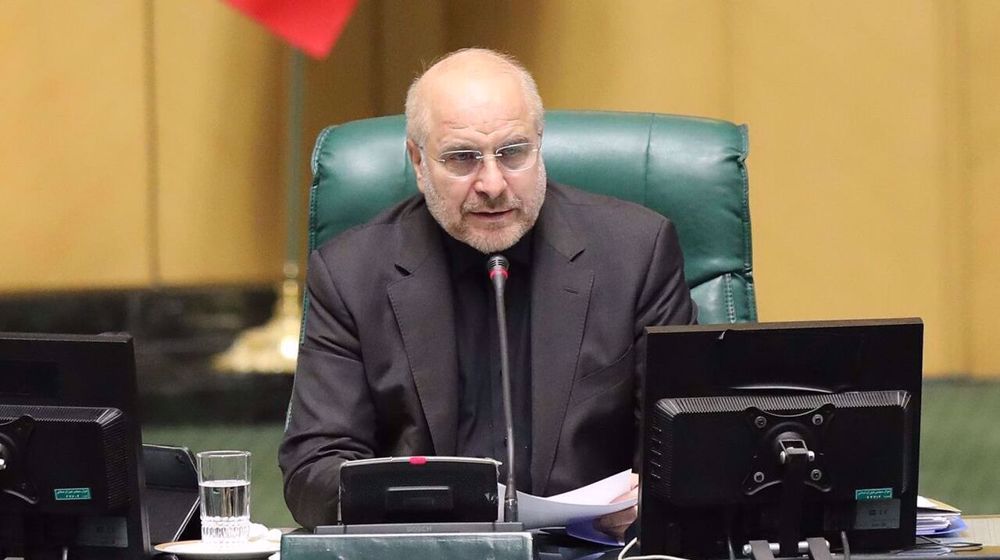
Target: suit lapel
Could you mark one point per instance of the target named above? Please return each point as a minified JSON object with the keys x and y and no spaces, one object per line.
{"x":560,"y":297}
{"x":421,"y":301}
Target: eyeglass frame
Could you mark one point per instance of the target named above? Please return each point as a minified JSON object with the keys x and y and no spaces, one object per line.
{"x":480,"y":156}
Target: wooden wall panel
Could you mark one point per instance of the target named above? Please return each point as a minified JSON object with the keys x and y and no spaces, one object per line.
{"x":981,"y":27}
{"x":644,"y":55}
{"x":848,"y":176}
{"x":874,"y":128}
{"x":223,"y":87}
{"x":220,"y":105}
{"x":410,"y":36}
{"x":73,"y":169}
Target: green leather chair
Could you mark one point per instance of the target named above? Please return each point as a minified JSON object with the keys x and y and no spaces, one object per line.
{"x":691,"y":170}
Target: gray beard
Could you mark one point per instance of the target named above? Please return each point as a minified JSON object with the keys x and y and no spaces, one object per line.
{"x":489,"y":241}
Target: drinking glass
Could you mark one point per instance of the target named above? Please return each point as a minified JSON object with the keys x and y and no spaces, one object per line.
{"x":224,"y":481}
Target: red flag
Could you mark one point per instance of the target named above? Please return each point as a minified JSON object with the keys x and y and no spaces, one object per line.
{"x":311,"y":25}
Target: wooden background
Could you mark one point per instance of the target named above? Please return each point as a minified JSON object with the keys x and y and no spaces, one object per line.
{"x":142,"y":142}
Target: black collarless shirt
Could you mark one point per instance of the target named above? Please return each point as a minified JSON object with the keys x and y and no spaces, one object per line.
{"x":481,"y":431}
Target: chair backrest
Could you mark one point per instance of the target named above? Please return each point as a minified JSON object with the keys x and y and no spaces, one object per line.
{"x":691,"y":170}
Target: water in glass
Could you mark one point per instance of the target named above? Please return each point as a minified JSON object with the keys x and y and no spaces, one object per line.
{"x":225,"y":511}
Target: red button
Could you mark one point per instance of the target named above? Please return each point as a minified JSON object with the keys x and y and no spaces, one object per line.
{"x":418,"y":460}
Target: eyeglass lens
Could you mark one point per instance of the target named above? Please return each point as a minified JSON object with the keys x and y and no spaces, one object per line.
{"x":515,"y":157}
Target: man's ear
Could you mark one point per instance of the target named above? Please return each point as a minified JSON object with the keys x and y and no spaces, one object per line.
{"x":416,"y":158}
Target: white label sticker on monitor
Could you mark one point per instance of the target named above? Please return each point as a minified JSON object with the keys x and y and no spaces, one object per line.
{"x":876,"y":514}
{"x":103,"y":531}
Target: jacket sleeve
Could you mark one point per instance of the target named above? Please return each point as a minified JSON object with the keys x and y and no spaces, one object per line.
{"x":331,"y":417}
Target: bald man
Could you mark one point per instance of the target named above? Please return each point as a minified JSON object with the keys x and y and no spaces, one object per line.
{"x":400,"y":349}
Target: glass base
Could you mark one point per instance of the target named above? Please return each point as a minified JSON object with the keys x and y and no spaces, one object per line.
{"x":225,"y":530}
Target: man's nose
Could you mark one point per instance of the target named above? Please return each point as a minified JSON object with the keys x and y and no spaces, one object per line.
{"x":490,"y":179}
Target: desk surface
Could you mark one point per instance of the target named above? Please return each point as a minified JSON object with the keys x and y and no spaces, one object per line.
{"x":981,"y":529}
{"x":984,"y":529}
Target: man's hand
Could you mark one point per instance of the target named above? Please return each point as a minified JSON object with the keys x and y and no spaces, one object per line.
{"x":616,"y":523}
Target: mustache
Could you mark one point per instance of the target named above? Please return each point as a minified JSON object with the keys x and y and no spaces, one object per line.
{"x":499,"y":204}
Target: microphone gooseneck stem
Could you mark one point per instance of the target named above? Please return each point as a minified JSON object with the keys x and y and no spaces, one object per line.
{"x":498,"y":274}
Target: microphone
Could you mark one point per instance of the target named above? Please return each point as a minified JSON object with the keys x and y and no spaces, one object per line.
{"x":497,"y":266}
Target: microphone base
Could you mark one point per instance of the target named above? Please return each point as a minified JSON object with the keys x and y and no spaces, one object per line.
{"x":419,"y":528}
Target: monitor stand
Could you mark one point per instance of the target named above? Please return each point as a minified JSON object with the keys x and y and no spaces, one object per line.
{"x":817,"y":548}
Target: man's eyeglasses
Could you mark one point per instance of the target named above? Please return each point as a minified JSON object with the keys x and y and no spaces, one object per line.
{"x":514,"y":157}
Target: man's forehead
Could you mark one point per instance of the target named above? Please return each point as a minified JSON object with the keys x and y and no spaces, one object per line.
{"x":486,"y":136}
{"x":477,"y":100}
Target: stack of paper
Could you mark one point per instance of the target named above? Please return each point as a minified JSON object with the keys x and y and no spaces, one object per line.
{"x":583,"y":504}
{"x":938,"y":519}
{"x":575,"y":510}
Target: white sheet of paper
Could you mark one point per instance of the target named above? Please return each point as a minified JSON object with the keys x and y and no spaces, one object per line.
{"x":930,"y":505}
{"x":587,"y":502}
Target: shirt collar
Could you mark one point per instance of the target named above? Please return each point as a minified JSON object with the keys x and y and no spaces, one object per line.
{"x":463,"y":258}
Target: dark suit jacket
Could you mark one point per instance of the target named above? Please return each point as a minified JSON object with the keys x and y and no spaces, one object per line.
{"x":378,"y":370}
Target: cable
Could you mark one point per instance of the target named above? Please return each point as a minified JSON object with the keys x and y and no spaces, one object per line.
{"x":846,"y":545}
{"x":729,"y":514}
{"x":948,"y":545}
{"x":631,"y":543}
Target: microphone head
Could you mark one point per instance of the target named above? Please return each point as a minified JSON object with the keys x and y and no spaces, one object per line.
{"x":497,"y":266}
{"x":497,"y":262}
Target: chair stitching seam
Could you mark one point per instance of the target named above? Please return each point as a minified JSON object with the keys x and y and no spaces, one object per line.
{"x":305,"y":313}
{"x":745,"y":199}
{"x":319,"y":142}
{"x":645,"y":170}
{"x":727,"y":280}
{"x":747,"y":232}
{"x":313,"y":219}
{"x":314,"y":189}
